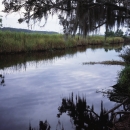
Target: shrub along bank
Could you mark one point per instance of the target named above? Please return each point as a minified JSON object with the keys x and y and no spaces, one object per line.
{"x":14,"y":42}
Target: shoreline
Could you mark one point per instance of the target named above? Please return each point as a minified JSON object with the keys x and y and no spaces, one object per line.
{"x":59,"y":49}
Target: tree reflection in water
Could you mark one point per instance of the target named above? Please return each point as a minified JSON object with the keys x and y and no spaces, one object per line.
{"x":84,"y":116}
{"x":21,"y":62}
{"x":2,"y":81}
{"x":42,"y":126}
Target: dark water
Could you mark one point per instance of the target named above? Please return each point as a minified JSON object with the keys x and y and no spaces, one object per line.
{"x":34,"y":84}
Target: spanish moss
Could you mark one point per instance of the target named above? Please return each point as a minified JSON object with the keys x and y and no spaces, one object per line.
{"x":82,"y":16}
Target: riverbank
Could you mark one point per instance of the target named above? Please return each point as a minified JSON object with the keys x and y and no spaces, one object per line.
{"x":14,"y":42}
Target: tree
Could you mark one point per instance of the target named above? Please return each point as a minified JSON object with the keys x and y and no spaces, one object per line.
{"x":83,"y":16}
{"x":119,"y":33}
{"x":0,"y":21}
{"x":110,"y":33}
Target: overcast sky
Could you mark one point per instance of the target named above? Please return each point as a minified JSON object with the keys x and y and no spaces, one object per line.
{"x":11,"y":20}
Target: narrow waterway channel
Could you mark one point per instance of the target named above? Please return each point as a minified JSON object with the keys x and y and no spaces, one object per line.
{"x":34,"y":84}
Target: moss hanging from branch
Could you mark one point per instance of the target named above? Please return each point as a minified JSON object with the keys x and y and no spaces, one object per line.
{"x":89,"y":14}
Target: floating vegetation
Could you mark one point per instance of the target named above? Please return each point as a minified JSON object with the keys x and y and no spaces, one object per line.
{"x":113,"y":62}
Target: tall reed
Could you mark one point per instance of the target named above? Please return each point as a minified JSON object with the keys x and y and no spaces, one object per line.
{"x":12,"y":42}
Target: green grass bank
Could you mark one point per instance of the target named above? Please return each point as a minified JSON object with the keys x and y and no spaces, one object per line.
{"x":14,"y":42}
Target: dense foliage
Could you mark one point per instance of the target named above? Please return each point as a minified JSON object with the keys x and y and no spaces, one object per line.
{"x":124,"y":75}
{"x":0,"y":21}
{"x":110,"y":33}
{"x":126,"y":56}
{"x":121,"y":90}
{"x":83,"y":16}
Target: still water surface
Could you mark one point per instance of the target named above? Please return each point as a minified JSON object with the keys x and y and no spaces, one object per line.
{"x":36,"y":83}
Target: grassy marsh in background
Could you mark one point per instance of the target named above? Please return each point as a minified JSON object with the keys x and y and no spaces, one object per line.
{"x":24,"y":42}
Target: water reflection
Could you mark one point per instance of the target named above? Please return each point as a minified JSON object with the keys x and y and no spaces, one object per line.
{"x":116,"y":47}
{"x":34,"y":94}
{"x":19,"y":61}
{"x":84,"y":116}
{"x":42,"y":126}
{"x":2,"y":80}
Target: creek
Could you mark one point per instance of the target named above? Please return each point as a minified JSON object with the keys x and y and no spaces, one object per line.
{"x":34,"y":84}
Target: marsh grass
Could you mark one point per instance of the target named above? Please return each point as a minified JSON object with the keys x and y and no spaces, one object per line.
{"x":14,"y":42}
{"x":111,"y":40}
{"x":113,"y":62}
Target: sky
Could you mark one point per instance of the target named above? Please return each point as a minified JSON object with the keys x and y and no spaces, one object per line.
{"x":11,"y":20}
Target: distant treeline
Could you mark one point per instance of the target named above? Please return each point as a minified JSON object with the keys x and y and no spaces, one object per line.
{"x":26,"y":30}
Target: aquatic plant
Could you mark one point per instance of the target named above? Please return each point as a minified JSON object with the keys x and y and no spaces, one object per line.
{"x":113,"y":62}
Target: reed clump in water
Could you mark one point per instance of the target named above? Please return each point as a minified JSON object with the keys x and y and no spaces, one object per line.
{"x":112,"y":62}
{"x":14,"y":42}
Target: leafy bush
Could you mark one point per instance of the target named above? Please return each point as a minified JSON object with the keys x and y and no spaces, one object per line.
{"x":110,"y":33}
{"x":119,"y":33}
{"x":124,"y":78}
{"x":126,"y":56}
